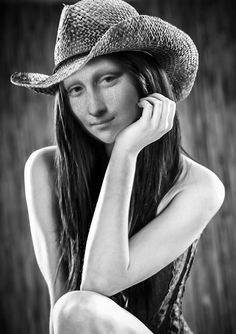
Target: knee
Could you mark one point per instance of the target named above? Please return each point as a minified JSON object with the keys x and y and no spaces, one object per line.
{"x":70,"y":311}
{"x":73,"y":302}
{"x":78,"y":312}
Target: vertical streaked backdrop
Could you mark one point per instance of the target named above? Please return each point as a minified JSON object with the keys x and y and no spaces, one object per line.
{"x":208,"y":122}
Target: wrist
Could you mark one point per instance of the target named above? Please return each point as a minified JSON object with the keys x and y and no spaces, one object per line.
{"x":123,"y":150}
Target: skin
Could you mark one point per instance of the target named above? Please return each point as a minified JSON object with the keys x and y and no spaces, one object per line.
{"x":95,"y":95}
{"x":104,"y":90}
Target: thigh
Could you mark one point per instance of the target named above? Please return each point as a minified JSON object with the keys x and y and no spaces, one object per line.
{"x":91,"y":312}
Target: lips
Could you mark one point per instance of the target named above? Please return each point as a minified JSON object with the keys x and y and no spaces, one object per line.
{"x":103,"y":121}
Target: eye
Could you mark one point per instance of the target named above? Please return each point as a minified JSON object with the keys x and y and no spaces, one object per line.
{"x":109,"y":80}
{"x":74,"y":91}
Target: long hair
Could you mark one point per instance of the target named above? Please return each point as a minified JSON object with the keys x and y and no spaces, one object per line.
{"x":81,"y":164}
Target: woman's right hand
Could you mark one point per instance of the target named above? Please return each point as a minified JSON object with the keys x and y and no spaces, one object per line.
{"x":156,"y":120}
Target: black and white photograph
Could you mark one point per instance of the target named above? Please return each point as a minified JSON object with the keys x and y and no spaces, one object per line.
{"x":118,"y":167}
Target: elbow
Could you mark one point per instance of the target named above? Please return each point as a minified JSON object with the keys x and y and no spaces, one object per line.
{"x":98,"y":285}
{"x":101,"y":289}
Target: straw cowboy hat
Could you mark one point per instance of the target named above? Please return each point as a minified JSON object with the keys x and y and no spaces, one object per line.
{"x":91,"y":28}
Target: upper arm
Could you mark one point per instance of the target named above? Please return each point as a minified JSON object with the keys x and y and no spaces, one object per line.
{"x":42,"y":211}
{"x":169,"y":234}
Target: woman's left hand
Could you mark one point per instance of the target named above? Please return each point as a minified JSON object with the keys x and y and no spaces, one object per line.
{"x":156,"y":120}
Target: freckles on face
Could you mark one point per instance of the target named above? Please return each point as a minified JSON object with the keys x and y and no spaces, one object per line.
{"x":122,"y":101}
{"x":103,"y":92}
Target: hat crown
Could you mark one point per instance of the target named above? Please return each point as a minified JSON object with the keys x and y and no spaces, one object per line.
{"x":82,"y":24}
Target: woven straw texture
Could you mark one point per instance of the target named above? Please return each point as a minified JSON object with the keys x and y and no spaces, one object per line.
{"x":89,"y":29}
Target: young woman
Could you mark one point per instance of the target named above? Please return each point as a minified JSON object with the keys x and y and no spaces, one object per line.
{"x":116,"y":207}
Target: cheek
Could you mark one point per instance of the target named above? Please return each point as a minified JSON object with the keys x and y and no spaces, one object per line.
{"x":124,"y":101}
{"x":76,"y":107}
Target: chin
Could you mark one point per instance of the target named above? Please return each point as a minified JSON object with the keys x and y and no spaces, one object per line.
{"x":106,"y":136}
{"x":107,"y":139}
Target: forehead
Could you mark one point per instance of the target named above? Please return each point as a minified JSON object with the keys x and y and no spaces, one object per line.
{"x":105,"y":60}
{"x":96,"y":66}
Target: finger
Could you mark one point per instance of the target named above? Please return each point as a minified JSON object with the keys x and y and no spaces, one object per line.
{"x":150,"y":99}
{"x":166,"y":122}
{"x":168,"y":113}
{"x":160,"y":114}
{"x":160,"y":96}
{"x":158,"y":110}
{"x":163,"y":110}
{"x":156,"y":96}
{"x":168,"y":103}
{"x":163,"y":121}
{"x":147,"y":109}
{"x":172,"y":115}
{"x":157,"y":107}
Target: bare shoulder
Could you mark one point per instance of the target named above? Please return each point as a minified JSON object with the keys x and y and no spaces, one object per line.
{"x":40,"y":189}
{"x":40,"y":164}
{"x":42,"y":157}
{"x":204,"y":181}
{"x":196,"y":179}
{"x":40,"y":181}
{"x":200,"y":176}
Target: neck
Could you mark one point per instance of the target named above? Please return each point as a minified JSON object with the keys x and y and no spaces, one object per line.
{"x":108,"y":149}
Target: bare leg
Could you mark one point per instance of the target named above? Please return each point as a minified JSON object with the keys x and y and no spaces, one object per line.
{"x":87,"y":312}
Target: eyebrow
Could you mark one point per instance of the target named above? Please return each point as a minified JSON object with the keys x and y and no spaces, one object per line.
{"x":98,"y":73}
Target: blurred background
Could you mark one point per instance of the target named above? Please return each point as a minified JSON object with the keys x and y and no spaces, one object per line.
{"x":208,"y":119}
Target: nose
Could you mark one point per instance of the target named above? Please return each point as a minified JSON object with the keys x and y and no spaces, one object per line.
{"x":96,"y":104}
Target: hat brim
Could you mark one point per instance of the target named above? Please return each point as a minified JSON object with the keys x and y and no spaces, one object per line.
{"x":175,"y":51}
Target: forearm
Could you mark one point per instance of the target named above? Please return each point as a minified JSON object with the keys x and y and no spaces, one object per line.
{"x":50,"y":323}
{"x":107,"y":248}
